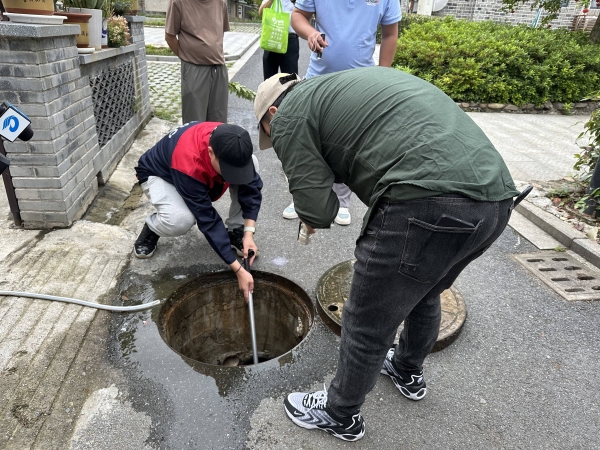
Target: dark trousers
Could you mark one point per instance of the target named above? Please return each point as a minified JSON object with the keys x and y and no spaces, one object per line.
{"x":403,"y":264}
{"x":287,"y":62}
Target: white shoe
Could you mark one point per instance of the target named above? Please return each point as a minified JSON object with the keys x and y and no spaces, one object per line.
{"x":290,"y":212}
{"x":343,"y":217}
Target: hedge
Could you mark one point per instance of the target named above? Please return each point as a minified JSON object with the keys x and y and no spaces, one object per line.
{"x":487,"y":62}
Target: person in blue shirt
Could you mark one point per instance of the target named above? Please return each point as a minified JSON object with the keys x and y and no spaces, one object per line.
{"x":350,"y":27}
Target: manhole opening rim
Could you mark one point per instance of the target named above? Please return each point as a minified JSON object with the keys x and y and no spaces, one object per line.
{"x":223,"y":277}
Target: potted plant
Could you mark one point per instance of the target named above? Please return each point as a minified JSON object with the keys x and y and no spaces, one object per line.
{"x":123,"y":7}
{"x":118,"y":32}
{"x":94,"y":9}
{"x":74,"y":15}
{"x":44,"y":7}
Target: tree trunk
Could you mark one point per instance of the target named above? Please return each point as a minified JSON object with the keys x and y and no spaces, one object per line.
{"x":595,"y":33}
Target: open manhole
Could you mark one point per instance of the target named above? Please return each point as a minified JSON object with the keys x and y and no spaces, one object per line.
{"x":208,"y":320}
{"x":567,"y":273}
{"x":334,"y":288}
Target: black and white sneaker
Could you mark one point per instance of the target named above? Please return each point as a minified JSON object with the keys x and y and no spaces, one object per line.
{"x":411,"y":385}
{"x":235,"y":237}
{"x":145,"y":245}
{"x":309,"y":410}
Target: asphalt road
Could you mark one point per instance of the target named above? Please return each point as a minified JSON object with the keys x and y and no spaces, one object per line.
{"x":522,"y":374}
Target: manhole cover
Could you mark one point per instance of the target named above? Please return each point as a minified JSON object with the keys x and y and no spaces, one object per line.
{"x":334,"y":288}
{"x":566,"y":273}
{"x":207,"y":319}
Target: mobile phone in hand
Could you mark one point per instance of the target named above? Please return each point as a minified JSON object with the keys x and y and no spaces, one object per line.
{"x":319,"y":54}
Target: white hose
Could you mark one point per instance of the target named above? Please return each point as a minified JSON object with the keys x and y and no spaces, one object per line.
{"x":81,"y":302}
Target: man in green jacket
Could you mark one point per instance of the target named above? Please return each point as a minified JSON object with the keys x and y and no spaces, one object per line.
{"x":438,"y":192}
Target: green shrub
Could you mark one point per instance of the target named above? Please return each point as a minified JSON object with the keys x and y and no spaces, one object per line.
{"x":406,"y":21}
{"x":118,"y":31}
{"x":499,"y":63}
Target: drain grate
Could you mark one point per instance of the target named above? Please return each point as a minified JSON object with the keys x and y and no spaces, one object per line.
{"x":568,"y":274}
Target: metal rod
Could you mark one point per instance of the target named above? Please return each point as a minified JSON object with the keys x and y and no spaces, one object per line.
{"x":251,"y":309}
{"x":252,"y":329}
{"x":10,"y":192}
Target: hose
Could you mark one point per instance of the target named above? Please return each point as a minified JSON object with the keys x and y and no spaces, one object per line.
{"x":81,"y":302}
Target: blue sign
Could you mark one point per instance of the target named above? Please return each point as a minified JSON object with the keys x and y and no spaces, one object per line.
{"x":11,"y":120}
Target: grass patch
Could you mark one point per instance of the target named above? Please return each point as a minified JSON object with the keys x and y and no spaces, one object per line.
{"x":159,"y":51}
{"x":154,"y":22}
{"x":166,"y":114}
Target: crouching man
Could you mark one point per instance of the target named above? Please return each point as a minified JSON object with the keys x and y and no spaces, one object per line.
{"x":438,"y":195}
{"x":189,"y":169}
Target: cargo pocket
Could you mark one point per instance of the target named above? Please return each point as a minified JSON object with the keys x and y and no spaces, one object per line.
{"x":430,"y":250}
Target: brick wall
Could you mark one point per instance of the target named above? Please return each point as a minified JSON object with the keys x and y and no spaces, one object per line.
{"x":56,"y":173}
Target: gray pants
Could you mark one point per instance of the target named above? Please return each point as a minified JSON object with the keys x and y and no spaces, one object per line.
{"x":173,"y":217}
{"x":204,"y":93}
{"x":343,"y":193}
{"x":403,"y":264}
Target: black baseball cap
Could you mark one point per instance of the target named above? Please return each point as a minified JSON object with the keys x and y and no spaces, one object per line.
{"x":233,"y":148}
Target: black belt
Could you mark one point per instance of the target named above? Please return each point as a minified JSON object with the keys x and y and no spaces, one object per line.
{"x":292,"y":35}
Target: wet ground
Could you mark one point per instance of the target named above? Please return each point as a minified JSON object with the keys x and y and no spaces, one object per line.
{"x":522,"y":374}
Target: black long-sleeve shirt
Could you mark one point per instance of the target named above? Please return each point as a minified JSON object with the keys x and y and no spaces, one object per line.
{"x":181,"y":158}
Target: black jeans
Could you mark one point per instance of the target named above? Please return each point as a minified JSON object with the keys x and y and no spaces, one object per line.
{"x":287,"y":62}
{"x":404,"y":263}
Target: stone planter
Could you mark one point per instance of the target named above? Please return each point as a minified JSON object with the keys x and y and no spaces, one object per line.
{"x":42,"y":7}
{"x":83,"y":38}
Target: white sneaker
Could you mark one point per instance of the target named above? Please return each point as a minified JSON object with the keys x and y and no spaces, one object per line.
{"x":290,"y":212}
{"x":343,"y":217}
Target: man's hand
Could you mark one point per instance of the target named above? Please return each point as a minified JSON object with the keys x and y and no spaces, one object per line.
{"x":300,"y":22}
{"x":316,"y":42}
{"x":263,"y":6}
{"x":172,"y":42}
{"x":245,"y":282}
{"x":249,"y":244}
{"x":310,"y":229}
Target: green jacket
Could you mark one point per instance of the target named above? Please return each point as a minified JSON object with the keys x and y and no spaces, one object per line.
{"x":385,"y":134}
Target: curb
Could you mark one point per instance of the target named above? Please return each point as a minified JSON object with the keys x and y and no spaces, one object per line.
{"x":172,"y":59}
{"x":564,"y":233}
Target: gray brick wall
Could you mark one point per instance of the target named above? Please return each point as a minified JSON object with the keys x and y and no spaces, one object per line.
{"x":56,"y":174}
{"x":42,"y":77}
{"x":479,"y":10}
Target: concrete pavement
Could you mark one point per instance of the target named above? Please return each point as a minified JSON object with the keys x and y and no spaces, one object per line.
{"x":235,"y":42}
{"x":521,"y":375}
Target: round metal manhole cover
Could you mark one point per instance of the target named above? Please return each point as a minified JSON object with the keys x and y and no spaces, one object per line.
{"x":334,"y":288}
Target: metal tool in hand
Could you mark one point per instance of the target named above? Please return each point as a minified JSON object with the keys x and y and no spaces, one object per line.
{"x":251,"y":309}
{"x":522,"y":195}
